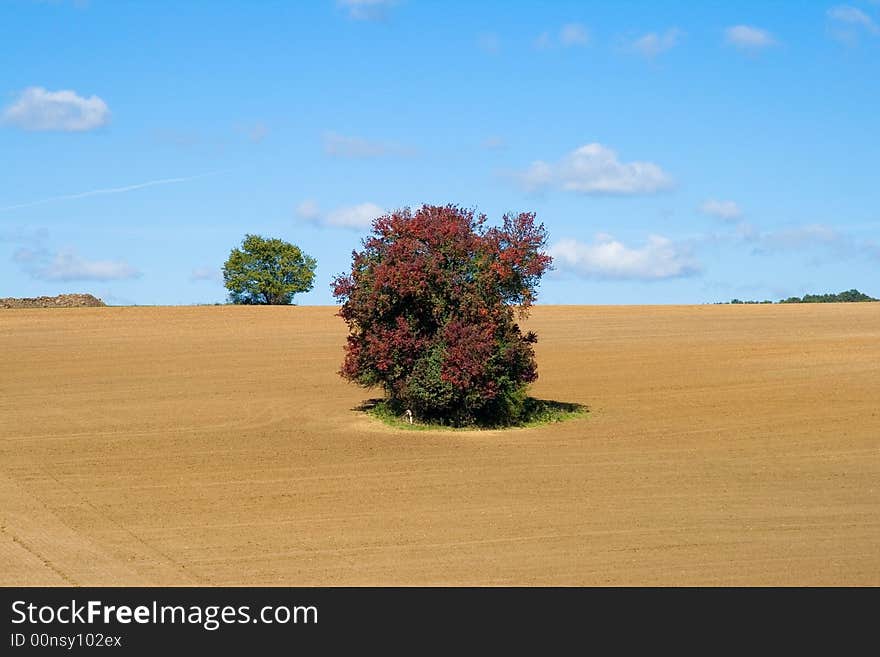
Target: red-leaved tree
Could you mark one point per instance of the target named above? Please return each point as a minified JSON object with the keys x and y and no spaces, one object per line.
{"x":429,"y":303}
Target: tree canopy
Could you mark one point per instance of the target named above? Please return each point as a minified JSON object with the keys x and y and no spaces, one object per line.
{"x":267,"y":271}
{"x":848,"y":296}
{"x":429,"y":303}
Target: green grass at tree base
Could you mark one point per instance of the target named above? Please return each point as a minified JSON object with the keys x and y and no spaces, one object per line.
{"x":536,"y":412}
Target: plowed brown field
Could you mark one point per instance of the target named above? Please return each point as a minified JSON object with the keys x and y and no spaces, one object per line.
{"x":217,"y":445}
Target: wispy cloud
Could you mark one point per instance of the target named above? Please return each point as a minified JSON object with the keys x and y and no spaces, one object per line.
{"x":37,"y":109}
{"x":308,"y":210}
{"x":654,"y":43}
{"x":366,"y":10}
{"x":571,"y":35}
{"x":20,"y":235}
{"x":494,"y":143}
{"x":595,"y":169}
{"x":824,"y":243}
{"x":353,"y":217}
{"x":108,"y":190}
{"x":748,"y":38}
{"x":798,"y":237}
{"x":849,"y":23}
{"x":853,"y":16}
{"x":67,"y":265}
{"x":543,"y":41}
{"x":840,"y":243}
{"x":37,"y":260}
{"x":336,"y":145}
{"x":726,"y":210}
{"x":609,"y":259}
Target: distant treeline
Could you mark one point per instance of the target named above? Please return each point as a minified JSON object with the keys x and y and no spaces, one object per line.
{"x":849,"y":296}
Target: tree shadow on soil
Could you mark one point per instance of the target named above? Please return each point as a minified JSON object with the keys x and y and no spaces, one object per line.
{"x":535,"y":412}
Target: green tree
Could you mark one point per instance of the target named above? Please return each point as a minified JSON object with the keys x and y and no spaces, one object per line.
{"x":267,"y":271}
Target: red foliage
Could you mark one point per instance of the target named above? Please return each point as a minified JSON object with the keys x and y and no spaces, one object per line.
{"x":429,"y":303}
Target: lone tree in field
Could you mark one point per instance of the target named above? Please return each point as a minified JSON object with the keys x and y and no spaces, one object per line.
{"x":430,"y":305}
{"x":267,"y":271}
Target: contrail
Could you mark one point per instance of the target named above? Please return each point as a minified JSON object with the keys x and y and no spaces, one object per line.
{"x":109,"y":190}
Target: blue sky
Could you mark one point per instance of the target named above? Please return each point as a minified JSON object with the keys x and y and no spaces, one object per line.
{"x":677,"y":152}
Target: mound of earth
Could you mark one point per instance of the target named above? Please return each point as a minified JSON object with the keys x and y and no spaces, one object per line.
{"x":60,"y":301}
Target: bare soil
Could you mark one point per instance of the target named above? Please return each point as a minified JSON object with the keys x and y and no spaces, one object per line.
{"x":217,"y":445}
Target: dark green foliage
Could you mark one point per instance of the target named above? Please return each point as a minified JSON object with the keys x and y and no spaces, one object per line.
{"x":267,"y":271}
{"x":850,"y":296}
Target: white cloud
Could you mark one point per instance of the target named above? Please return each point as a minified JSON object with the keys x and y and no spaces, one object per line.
{"x":748,"y":38}
{"x":574,"y":34}
{"x":354,"y":216}
{"x":37,"y":109}
{"x":366,"y":10}
{"x":67,"y":265}
{"x":726,"y":210}
{"x":337,"y":145}
{"x":489,"y":43}
{"x":652,"y":44}
{"x":606,"y":258}
{"x":595,"y":169}
{"x":308,"y":210}
{"x":39,"y":262}
{"x":350,"y":216}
